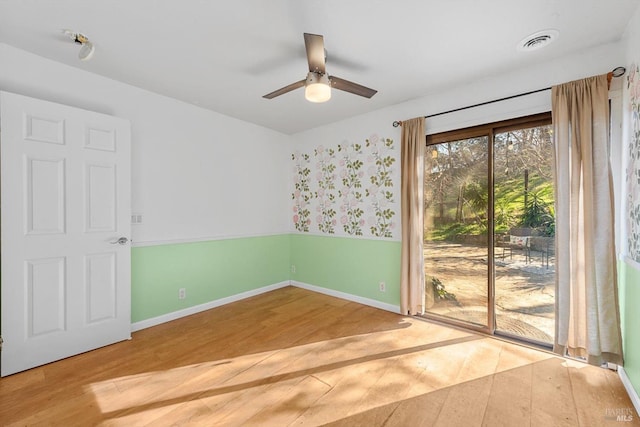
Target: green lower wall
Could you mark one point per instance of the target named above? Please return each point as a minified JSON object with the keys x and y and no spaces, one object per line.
{"x":207,"y":270}
{"x":353,"y":266}
{"x":217,"y":269}
{"x":629,"y":302}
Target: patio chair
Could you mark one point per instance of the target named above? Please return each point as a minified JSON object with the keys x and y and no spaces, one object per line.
{"x":502,"y":241}
{"x":510,"y":243}
{"x":522,"y":243}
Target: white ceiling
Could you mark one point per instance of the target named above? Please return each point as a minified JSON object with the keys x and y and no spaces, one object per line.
{"x":224,"y":55}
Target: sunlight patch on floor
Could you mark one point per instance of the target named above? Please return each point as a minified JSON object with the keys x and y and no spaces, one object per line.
{"x":337,"y":370}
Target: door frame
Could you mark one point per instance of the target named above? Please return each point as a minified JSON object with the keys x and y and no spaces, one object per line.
{"x":488,"y":130}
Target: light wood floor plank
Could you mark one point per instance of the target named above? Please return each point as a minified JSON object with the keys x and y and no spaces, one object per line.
{"x":466,"y":403}
{"x":552,"y":399}
{"x":510,"y":388}
{"x":420,"y":411}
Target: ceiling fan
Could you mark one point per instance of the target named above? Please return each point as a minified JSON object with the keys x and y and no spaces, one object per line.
{"x":318,"y":83}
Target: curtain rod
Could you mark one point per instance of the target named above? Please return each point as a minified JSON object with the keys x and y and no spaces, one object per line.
{"x":617,"y":72}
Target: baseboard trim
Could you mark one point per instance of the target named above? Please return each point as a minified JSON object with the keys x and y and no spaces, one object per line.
{"x":633,"y":394}
{"x":349,"y":297}
{"x":154,"y":321}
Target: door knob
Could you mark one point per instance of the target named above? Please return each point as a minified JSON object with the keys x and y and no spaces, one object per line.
{"x":121,"y":241}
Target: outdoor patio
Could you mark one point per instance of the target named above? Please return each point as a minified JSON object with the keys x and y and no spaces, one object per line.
{"x":525,"y":289}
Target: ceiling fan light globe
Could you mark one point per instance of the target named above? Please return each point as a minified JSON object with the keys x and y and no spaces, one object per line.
{"x":317,"y":92}
{"x":86,"y":51}
{"x":317,"y":87}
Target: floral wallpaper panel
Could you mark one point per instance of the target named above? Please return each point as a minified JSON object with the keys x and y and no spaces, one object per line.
{"x":346,"y":189}
{"x":633,"y":165}
{"x":302,"y":192}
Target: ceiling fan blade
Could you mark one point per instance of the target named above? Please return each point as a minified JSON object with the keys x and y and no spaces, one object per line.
{"x":285,"y":89}
{"x":351,"y":87}
{"x":315,"y":52}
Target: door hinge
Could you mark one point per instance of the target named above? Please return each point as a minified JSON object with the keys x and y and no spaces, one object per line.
{"x":1,"y":341}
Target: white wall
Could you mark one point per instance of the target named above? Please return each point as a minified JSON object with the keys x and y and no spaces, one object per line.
{"x":196,"y":174}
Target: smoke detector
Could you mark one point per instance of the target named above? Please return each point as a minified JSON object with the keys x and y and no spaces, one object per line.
{"x":538,"y":40}
{"x":87,"y":49}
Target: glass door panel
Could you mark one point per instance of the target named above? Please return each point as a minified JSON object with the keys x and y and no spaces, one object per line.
{"x":524,"y":224}
{"x":455,"y":247}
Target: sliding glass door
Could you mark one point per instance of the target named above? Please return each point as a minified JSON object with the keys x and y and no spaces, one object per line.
{"x":456,"y":242}
{"x":489,"y":228}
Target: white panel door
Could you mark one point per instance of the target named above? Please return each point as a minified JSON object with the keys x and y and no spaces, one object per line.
{"x":65,"y":199}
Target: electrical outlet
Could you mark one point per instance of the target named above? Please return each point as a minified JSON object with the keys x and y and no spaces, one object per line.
{"x":182,"y":293}
{"x":293,"y":269}
{"x":136,"y":219}
{"x":382,"y":287}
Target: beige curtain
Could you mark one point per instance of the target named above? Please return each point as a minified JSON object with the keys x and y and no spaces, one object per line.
{"x":412,"y":163}
{"x":587,"y":312}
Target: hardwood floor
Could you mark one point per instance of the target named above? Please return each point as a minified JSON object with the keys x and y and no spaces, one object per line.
{"x":294,"y":357}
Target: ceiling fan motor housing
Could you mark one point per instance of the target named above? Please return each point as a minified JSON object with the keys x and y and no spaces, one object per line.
{"x":314,"y":78}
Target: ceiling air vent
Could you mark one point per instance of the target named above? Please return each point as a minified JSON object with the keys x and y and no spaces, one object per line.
{"x":537,"y":40}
